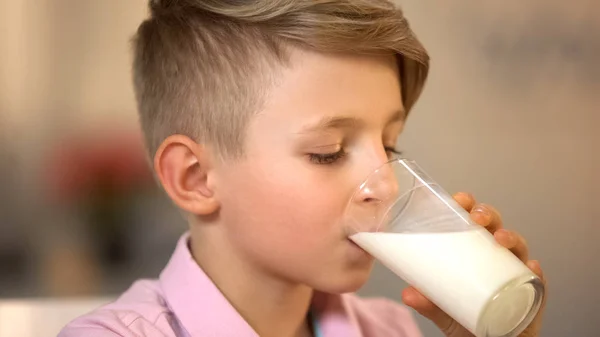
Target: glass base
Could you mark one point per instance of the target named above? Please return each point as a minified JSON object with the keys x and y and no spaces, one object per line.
{"x":512,"y":309}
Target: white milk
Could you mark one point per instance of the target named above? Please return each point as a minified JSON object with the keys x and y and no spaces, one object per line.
{"x":460,"y":271}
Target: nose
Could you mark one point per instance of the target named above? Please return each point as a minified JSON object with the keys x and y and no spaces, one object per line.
{"x":374,"y":200}
{"x":380,"y":188}
{"x":377,"y":193}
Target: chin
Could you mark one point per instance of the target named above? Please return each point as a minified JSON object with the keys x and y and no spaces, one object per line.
{"x":344,"y":282}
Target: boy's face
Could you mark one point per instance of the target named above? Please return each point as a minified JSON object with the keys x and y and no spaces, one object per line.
{"x":325,"y":126}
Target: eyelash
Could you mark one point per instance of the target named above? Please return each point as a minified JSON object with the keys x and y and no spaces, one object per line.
{"x":327,"y":158}
{"x":393,"y":151}
{"x":332,"y":158}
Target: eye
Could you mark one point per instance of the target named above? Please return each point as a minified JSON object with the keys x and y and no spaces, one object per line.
{"x":392,"y":152}
{"x":326,"y":158}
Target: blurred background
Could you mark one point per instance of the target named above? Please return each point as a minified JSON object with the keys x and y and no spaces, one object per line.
{"x":511,"y":113}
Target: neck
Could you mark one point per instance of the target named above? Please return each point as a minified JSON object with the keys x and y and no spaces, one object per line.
{"x":271,"y":306}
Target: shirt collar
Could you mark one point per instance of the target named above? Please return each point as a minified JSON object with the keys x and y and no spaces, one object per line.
{"x":202,"y":309}
{"x":197,"y":303}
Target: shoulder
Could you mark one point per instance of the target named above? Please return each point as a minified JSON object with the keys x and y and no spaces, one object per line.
{"x":141,"y":310}
{"x":383,"y":317}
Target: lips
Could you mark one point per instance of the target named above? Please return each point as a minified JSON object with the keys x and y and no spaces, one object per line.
{"x":356,"y":246}
{"x":367,"y":228}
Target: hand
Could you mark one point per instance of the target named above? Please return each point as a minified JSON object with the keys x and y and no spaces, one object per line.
{"x":489,"y":218}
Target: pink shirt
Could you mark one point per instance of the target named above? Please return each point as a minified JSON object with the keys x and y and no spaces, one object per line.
{"x":185,"y":302}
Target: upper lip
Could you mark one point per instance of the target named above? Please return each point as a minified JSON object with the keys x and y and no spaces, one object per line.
{"x":351,"y":231}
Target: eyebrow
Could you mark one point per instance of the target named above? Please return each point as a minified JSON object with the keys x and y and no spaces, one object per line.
{"x":341,"y":122}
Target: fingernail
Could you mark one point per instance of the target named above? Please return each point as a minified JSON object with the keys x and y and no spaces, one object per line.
{"x":509,"y":236}
{"x":534,"y":264}
{"x":481,"y":210}
{"x":464,"y":195}
{"x":505,"y":237}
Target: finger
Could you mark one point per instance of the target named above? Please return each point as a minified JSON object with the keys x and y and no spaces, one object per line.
{"x":465,"y":200}
{"x":534,"y":265}
{"x":487,"y":216}
{"x":414,"y":299}
{"x":535,"y":326}
{"x":513,"y":241}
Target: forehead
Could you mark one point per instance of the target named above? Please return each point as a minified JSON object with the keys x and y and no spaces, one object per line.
{"x":315,"y":86}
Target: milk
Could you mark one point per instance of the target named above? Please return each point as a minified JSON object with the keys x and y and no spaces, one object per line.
{"x":459,"y":271}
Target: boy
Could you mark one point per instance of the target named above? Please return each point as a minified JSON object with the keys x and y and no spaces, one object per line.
{"x":262,"y":118}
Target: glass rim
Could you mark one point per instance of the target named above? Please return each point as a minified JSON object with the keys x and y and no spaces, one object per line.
{"x":391,"y":162}
{"x":374,"y":172}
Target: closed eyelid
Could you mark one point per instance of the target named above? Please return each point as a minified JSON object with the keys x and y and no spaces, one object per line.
{"x":326,"y":148}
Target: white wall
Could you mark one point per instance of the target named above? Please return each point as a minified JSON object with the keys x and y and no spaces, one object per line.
{"x":65,"y":64}
{"x":520,"y":129}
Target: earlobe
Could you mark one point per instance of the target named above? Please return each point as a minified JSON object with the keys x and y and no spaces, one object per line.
{"x":183,"y":168}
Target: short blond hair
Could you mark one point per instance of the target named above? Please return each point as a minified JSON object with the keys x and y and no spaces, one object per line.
{"x":202,"y":68}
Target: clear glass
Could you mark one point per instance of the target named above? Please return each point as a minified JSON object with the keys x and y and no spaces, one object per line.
{"x":415,"y":228}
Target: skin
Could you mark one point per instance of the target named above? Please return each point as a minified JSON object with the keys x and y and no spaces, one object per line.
{"x":267,"y":228}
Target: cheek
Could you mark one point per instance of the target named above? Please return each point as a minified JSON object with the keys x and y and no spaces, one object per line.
{"x":296,"y":208}
{"x":288,"y":223}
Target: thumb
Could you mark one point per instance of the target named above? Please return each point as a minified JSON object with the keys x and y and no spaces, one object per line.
{"x":414,"y":299}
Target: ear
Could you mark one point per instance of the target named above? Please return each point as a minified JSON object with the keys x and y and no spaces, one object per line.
{"x":185,"y":170}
